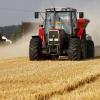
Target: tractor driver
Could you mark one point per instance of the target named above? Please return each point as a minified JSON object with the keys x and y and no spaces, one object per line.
{"x":81,"y":25}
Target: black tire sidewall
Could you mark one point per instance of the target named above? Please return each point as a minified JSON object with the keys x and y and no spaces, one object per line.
{"x":35,"y":49}
{"x":74,"y":51}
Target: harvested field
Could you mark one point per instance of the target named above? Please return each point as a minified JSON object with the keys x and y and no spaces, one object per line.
{"x":21,"y":79}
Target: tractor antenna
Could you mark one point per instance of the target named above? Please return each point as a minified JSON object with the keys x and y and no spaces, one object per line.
{"x":52,"y":3}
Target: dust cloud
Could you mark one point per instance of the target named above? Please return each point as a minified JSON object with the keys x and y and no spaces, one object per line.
{"x":20,"y":48}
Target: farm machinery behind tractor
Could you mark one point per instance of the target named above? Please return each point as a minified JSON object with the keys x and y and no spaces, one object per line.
{"x":62,"y":34}
{"x":4,"y":41}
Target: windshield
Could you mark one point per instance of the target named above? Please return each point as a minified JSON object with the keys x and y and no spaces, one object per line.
{"x":60,"y":20}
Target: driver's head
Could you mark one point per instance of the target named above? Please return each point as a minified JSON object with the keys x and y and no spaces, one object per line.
{"x":41,"y":25}
{"x":81,"y":15}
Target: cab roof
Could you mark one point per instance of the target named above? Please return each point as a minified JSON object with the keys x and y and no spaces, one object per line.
{"x":61,"y":10}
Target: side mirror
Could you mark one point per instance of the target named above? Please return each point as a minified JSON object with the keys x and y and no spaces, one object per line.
{"x":36,"y":15}
{"x":81,"y":14}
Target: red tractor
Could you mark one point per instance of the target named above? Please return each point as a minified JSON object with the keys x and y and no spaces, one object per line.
{"x":62,"y":34}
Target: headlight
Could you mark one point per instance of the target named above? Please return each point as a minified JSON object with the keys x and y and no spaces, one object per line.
{"x":56,"y":39}
{"x":50,"y":39}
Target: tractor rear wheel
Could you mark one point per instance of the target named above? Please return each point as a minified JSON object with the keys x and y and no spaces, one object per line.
{"x":90,"y":49}
{"x":35,"y":48}
{"x":74,"y":51}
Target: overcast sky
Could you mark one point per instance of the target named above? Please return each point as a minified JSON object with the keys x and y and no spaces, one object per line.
{"x":12,"y":11}
{"x":16,"y":11}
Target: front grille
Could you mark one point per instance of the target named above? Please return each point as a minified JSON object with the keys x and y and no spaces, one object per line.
{"x":53,"y":34}
{"x":53,"y":37}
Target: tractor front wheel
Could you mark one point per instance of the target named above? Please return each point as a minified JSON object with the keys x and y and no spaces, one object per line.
{"x":35,"y":48}
{"x":74,"y":51}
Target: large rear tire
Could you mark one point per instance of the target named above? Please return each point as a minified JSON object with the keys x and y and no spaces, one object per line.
{"x":74,"y":51}
{"x":90,"y":49}
{"x":35,"y":48}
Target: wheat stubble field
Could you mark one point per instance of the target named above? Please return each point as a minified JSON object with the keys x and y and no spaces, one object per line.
{"x":21,"y":79}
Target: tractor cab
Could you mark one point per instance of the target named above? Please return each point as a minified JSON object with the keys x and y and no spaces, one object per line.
{"x":64,"y":19}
